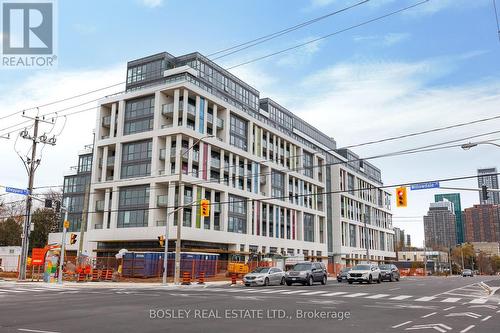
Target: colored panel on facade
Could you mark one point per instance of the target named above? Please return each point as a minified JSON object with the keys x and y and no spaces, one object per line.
{"x":202,"y":115}
{"x":256,"y":173}
{"x":257,"y":208}
{"x":205,"y":159}
{"x":294,"y":214}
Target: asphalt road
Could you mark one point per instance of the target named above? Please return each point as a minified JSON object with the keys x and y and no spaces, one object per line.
{"x":412,"y":305}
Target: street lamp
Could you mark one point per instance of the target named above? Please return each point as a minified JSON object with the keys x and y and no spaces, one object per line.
{"x":467,"y":146}
{"x":179,"y":224}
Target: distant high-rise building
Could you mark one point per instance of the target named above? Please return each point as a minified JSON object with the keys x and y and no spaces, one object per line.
{"x":487,"y":177}
{"x":399,"y":239}
{"x":459,"y":223}
{"x":439,"y":226}
{"x":408,"y":240}
{"x":482,"y":223}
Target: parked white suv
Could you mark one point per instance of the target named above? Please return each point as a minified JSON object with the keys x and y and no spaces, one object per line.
{"x":364,"y":273}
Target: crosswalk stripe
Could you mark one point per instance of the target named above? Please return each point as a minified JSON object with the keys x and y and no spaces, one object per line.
{"x":275,"y":291}
{"x":295,"y":292}
{"x":316,"y":292}
{"x":355,"y":295}
{"x":377,"y":296}
{"x":12,"y":291}
{"x":335,"y":293}
{"x":479,"y":301}
{"x":401,"y":297}
{"x":451,"y":300}
{"x":425,"y":299}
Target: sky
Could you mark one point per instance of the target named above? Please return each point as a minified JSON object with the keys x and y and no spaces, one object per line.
{"x":431,"y":66}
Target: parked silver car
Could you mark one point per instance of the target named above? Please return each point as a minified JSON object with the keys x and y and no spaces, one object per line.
{"x":264,"y":276}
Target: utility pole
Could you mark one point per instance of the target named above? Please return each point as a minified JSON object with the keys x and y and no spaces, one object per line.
{"x":366,"y":239}
{"x":83,"y":225}
{"x":462,"y":253}
{"x":33,"y":163}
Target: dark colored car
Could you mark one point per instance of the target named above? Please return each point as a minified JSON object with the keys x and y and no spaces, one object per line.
{"x":342,"y":275}
{"x":307,"y":273}
{"x":389,"y":272}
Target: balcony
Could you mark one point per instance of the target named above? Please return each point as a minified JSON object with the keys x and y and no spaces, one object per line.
{"x":216,"y":207}
{"x":98,"y":226}
{"x":163,"y":151}
{"x":187,"y":200}
{"x":196,"y":156}
{"x":192,"y":109}
{"x":106,"y":121}
{"x":215,"y":163}
{"x":99,"y":206}
{"x":220,"y":123}
{"x":210,"y":118}
{"x":162,"y":201}
{"x":167,"y":125}
{"x":167,"y":109}
{"x":161,"y":223}
{"x":110,"y":162}
{"x":109,"y":177}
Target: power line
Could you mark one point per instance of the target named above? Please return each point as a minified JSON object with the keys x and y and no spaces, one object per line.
{"x":496,"y":18}
{"x":260,"y":40}
{"x":62,"y":100}
{"x":378,"y":18}
{"x":244,"y":200}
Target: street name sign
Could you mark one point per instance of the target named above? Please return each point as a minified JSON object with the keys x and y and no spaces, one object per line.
{"x":424,"y":186}
{"x":16,"y":190}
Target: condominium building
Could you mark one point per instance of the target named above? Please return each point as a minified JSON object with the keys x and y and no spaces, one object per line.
{"x":399,"y":239}
{"x":457,"y":206}
{"x":439,"y":226}
{"x":489,"y":178}
{"x":482,"y":223}
{"x":186,"y":129}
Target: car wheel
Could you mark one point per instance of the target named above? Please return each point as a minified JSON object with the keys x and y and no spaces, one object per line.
{"x":247,"y":285}
{"x":288,"y":283}
{"x":391,"y":278}
{"x":350,"y":282}
{"x":379,"y":279}
{"x":323,"y":282}
{"x":339,"y":281}
{"x":370,"y":280}
{"x":282,"y":281}
{"x":397,"y":279}
{"x":310,"y":281}
{"x":266,"y":282}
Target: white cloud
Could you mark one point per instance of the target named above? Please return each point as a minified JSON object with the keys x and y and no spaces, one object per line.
{"x":302,"y":55}
{"x":42,"y":88}
{"x":388,"y":39}
{"x":151,"y":3}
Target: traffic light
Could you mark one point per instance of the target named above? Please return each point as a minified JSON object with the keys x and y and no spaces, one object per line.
{"x":161,"y":240}
{"x":48,"y":203}
{"x":484,"y":191}
{"x":205,"y":207}
{"x":72,"y":239}
{"x":401,"y":197}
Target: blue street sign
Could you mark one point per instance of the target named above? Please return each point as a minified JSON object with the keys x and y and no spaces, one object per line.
{"x":16,"y":190}
{"x":424,"y":186}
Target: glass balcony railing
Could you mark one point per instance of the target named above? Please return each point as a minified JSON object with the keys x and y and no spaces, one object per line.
{"x":98,"y":226}
{"x":196,"y":156}
{"x":99,"y":206}
{"x":167,"y":108}
{"x":162,"y":200}
{"x":110,"y":161}
{"x":215,"y":163}
{"x":210,"y":118}
{"x":106,"y":121}
{"x":161,"y":223}
{"x":220,"y":123}
{"x":163,"y":151}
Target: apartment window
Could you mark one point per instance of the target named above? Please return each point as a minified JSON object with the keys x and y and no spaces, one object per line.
{"x":238,"y":132}
{"x":278,"y":185}
{"x":237,"y":216}
{"x":85,"y":163}
{"x":308,"y":164}
{"x":352,"y":235}
{"x":308,"y":227}
{"x":139,"y":114}
{"x":149,"y":71}
{"x":136,"y":159}
{"x":350,"y":183}
{"x":133,"y":206}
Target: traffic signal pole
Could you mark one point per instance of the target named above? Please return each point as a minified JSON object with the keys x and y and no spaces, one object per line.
{"x":63,"y":246}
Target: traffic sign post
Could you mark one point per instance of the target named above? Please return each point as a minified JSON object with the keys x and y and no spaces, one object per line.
{"x":63,"y":245}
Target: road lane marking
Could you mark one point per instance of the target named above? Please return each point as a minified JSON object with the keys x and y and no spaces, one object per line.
{"x":12,"y":291}
{"x":335,"y":293}
{"x":316,"y":292}
{"x":486,"y":318}
{"x":355,"y":295}
{"x":451,"y":307}
{"x":451,"y":300}
{"x":401,"y":297}
{"x":295,"y":292}
{"x":425,"y":299}
{"x":402,"y":324}
{"x":38,"y":331}
{"x":467,"y":328}
{"x":428,"y":315}
{"x":377,"y":296}
{"x":275,"y":291}
{"x":479,"y":301}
